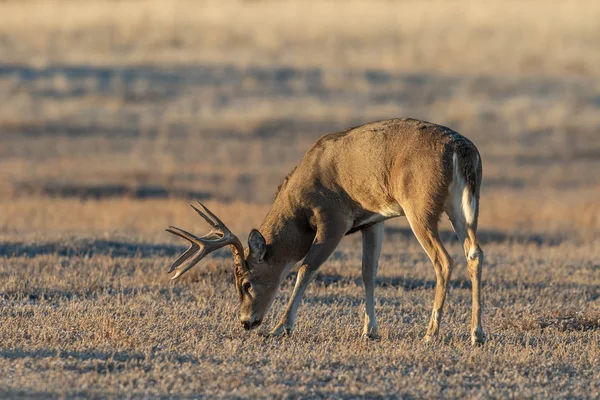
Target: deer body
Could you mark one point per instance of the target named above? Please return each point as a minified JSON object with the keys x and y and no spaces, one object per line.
{"x":354,"y":181}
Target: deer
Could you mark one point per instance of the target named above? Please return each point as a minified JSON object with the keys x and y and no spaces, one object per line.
{"x":352,"y":181}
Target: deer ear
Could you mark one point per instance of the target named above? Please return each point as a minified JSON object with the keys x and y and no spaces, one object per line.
{"x":257,"y":245}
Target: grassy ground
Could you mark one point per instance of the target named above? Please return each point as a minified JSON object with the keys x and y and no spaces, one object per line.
{"x":114,"y":115}
{"x":97,"y":314}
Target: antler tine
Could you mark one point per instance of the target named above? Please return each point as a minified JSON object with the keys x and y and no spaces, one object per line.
{"x":212,"y":235}
{"x":210,"y":221}
{"x":218,"y":237}
{"x":213,"y":216}
{"x":200,"y":247}
{"x":183,"y":234}
{"x":188,"y":253}
{"x":191,"y":263}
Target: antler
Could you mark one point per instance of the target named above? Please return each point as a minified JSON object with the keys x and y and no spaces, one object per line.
{"x":218,"y":237}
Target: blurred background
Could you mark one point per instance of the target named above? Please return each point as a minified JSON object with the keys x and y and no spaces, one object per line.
{"x":114,"y":114}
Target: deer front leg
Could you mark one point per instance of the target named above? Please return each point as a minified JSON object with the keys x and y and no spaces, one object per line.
{"x":329,"y":234}
{"x":372,"y":237}
{"x":286,"y":324}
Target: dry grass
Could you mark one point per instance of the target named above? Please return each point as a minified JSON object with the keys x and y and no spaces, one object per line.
{"x":99,"y":315}
{"x":116,"y":113}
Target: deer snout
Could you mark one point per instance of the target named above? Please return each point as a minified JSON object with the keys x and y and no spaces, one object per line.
{"x":250,"y":323}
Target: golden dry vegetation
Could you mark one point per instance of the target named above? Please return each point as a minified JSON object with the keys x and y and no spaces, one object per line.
{"x":115,"y":114}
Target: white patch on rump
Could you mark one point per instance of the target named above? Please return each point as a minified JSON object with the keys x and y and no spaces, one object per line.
{"x":468,"y":206}
{"x":461,"y":195}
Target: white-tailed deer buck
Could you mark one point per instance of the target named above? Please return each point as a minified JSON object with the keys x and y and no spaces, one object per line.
{"x":354,"y":181}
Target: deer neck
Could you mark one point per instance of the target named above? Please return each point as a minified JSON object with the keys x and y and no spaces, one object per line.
{"x":285,"y":238}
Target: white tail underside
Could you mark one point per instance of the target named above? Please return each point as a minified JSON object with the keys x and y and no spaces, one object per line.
{"x":461,"y":194}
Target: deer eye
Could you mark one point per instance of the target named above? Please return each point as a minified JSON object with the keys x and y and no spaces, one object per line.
{"x":247,"y":286}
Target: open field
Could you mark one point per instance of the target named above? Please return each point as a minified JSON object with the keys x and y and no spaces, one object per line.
{"x":115,"y":114}
{"x":531,"y":37}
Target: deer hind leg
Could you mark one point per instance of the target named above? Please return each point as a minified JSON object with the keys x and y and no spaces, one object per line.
{"x":466,"y":232}
{"x":425,"y":227}
{"x":372,"y":238}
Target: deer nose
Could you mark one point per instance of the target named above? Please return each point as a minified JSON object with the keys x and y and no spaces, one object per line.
{"x":250,"y":325}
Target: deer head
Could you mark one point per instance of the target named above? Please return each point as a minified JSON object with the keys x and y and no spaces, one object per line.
{"x":255,"y":287}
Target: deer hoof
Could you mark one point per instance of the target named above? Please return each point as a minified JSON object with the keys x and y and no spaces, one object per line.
{"x":280,"y":330}
{"x":368,"y":337}
{"x":429,"y":338}
{"x":370,"y":334}
{"x":477,"y":337}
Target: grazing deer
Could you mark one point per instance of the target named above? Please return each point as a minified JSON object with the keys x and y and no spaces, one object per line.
{"x":354,"y":181}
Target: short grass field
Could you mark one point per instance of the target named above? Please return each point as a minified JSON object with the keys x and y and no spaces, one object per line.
{"x":114,"y":115}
